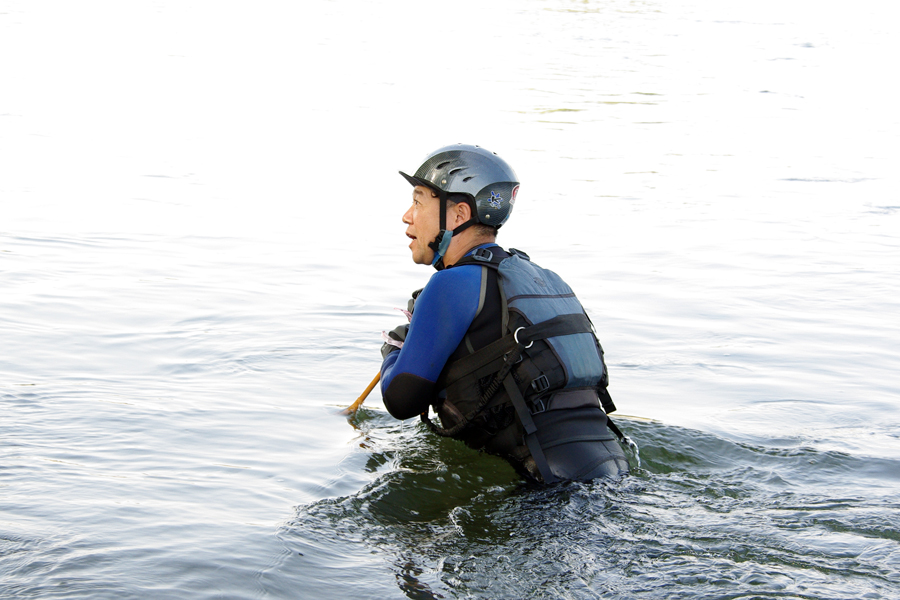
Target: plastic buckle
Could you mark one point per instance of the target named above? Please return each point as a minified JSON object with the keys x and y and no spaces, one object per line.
{"x":538,"y":406}
{"x":483,"y":254}
{"x":518,"y":360}
{"x":541,"y":384}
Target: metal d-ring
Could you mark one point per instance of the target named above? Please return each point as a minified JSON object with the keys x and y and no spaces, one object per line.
{"x":516,"y":337}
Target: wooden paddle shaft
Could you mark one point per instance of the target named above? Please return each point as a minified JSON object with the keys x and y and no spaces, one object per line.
{"x":355,"y":406}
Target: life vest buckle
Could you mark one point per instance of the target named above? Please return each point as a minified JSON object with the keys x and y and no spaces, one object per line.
{"x":483,"y":255}
{"x":537,"y":406}
{"x":518,"y":360}
{"x":540,"y":384}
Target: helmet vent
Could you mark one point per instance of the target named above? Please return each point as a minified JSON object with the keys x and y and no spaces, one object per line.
{"x":442,"y":165}
{"x":466,"y":179}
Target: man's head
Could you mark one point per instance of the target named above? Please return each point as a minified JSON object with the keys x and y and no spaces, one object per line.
{"x":465,"y":180}
{"x":423,"y":222}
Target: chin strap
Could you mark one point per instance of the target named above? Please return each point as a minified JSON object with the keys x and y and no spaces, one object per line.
{"x":442,"y":241}
{"x":440,"y":245}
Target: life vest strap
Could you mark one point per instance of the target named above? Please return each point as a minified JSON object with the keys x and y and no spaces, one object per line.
{"x":531,"y":440}
{"x":501,"y":376}
{"x":557,"y":326}
{"x":470,"y":363}
{"x":625,"y":440}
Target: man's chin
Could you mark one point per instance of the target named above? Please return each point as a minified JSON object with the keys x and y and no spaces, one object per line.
{"x":421,"y":259}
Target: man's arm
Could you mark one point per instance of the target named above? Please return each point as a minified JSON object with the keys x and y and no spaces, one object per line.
{"x":443,"y":313}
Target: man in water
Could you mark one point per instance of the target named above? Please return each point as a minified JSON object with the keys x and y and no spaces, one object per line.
{"x":499,"y":347}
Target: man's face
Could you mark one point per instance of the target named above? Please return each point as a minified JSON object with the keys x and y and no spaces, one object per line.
{"x":423,"y":224}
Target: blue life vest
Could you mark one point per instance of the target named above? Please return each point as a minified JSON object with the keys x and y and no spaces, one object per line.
{"x":540,"y":386}
{"x":538,"y":295}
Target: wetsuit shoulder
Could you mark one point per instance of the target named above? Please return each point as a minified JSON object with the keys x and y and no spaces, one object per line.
{"x":444,"y":311}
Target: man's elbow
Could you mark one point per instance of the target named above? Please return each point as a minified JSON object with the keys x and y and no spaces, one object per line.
{"x":407,"y":396}
{"x":398,"y":410}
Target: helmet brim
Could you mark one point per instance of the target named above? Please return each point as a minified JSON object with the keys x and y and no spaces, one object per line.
{"x":414,"y":181}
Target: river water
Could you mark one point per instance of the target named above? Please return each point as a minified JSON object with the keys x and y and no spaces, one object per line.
{"x":200,"y":243}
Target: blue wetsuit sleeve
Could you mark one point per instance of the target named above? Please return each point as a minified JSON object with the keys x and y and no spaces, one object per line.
{"x":444,"y":311}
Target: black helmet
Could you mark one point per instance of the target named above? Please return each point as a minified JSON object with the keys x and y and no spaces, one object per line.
{"x":489,"y":183}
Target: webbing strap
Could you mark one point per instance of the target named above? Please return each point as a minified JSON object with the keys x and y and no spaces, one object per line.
{"x":482,"y":294}
{"x":492,"y":388}
{"x":624,"y":439}
{"x":531,"y":440}
{"x":471,"y":362}
{"x":557,"y":326}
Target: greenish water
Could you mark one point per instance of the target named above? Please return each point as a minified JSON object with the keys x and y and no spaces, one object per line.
{"x":705,"y":518}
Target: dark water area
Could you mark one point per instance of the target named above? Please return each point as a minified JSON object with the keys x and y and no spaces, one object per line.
{"x":703,"y":518}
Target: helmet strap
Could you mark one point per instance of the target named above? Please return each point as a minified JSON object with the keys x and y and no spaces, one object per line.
{"x":464,"y":226}
{"x":440,"y":245}
{"x":442,"y":242}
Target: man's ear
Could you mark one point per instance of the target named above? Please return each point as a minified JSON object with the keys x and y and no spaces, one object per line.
{"x":459,"y":214}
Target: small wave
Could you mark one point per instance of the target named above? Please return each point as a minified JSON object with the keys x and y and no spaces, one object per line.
{"x":707,"y":517}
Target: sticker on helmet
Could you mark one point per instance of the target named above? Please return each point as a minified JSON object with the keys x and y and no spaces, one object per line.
{"x":495,"y":200}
